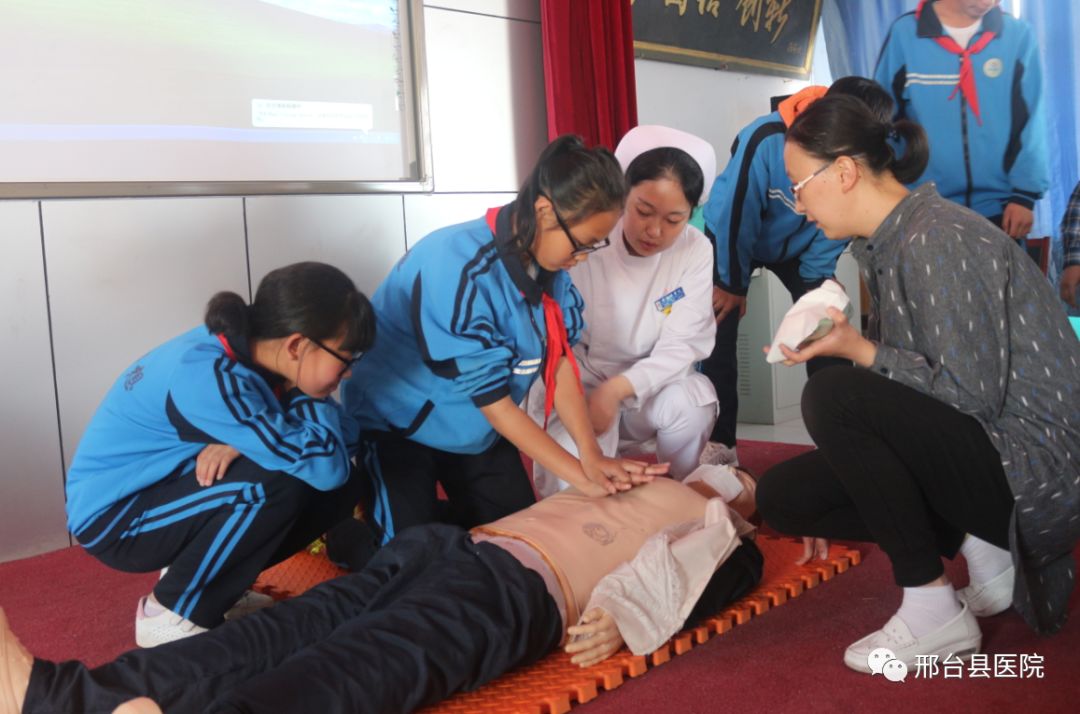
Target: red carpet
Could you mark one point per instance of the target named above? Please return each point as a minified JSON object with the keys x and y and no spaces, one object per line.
{"x":67,"y":605}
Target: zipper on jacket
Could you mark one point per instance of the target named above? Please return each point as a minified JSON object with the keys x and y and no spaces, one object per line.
{"x":967,"y":150}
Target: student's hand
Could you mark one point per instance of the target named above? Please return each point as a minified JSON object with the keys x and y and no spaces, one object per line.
{"x":642,"y":471}
{"x":1070,"y":281}
{"x":1017,"y":220}
{"x":813,"y":548}
{"x":843,"y":341}
{"x":594,"y":639}
{"x":212,"y":463}
{"x":724,"y":303}
{"x":604,"y":476}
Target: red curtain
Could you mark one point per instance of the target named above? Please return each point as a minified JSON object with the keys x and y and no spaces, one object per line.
{"x":589,"y":69}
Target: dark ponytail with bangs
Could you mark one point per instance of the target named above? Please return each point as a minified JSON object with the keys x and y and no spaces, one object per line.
{"x":315,"y":299}
{"x":579,"y":181}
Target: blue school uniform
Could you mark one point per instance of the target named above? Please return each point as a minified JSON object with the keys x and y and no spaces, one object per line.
{"x":981,"y":161}
{"x":194,"y":390}
{"x":460,"y":325}
{"x":751,"y":213}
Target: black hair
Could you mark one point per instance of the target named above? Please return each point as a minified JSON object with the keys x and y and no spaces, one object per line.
{"x":315,"y":299}
{"x":668,"y":162}
{"x":579,"y":181}
{"x":842,"y":125}
{"x":876,"y":97}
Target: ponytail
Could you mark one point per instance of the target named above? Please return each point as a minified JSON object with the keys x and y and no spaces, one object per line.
{"x":909,"y":166}
{"x":580,"y":182}
{"x":227,"y":313}
{"x":313,"y":299}
{"x":836,"y":126}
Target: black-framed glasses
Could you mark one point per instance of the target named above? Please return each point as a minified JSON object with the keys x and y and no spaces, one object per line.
{"x":348,"y":362}
{"x":579,"y":248}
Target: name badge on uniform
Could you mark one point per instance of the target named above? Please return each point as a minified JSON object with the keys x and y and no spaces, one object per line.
{"x":664,"y":304}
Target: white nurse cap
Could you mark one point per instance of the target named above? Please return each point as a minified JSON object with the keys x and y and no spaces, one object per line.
{"x":645,"y":138}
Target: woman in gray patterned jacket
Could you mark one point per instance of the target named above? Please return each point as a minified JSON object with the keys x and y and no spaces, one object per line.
{"x":958,"y":428}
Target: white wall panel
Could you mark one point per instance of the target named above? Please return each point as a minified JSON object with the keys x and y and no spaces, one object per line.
{"x":709,"y":103}
{"x":125,"y":276}
{"x":362,"y":235}
{"x":425,"y":213}
{"x":486,"y":100}
{"x":31,"y":472}
{"x":515,"y":9}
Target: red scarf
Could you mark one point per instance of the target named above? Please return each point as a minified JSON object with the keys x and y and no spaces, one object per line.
{"x":557,"y":346}
{"x":966,"y":85}
{"x":228,"y":348}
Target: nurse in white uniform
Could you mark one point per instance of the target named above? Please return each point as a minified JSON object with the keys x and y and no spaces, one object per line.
{"x":648,"y":311}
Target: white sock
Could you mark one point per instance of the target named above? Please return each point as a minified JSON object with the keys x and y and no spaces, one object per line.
{"x":925,"y":609}
{"x":985,"y":561}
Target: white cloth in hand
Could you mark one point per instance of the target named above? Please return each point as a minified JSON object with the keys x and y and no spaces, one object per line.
{"x":808,"y":319}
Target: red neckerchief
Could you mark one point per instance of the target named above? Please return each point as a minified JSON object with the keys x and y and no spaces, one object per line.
{"x":966,"y":85}
{"x":228,"y":348}
{"x":558,"y":345}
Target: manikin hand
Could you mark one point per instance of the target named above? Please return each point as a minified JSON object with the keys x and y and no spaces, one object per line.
{"x":594,"y":639}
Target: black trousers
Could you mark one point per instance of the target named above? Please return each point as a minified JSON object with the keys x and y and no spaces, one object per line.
{"x":432,"y":614}
{"x":895,"y":467}
{"x":480,"y":487}
{"x":722,"y":366}
{"x":215,"y":539}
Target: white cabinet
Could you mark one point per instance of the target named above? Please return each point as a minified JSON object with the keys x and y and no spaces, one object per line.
{"x":770,"y":393}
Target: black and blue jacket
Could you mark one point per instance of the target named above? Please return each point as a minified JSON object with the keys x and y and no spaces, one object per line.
{"x":982,"y":165}
{"x":460,"y":326}
{"x":751,"y":216}
{"x":192,"y":391}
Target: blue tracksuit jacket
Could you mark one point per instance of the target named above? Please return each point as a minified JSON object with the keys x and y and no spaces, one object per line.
{"x":982,"y":166}
{"x":188,"y":393}
{"x":460,"y":326}
{"x":751,"y":213}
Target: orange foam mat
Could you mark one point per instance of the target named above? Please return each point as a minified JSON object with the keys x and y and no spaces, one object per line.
{"x":554,"y":685}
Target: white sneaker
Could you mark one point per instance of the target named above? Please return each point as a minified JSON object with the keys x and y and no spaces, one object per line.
{"x":166,"y":626}
{"x":959,"y":636}
{"x":717,"y":454}
{"x":248,"y":603}
{"x":991,"y":597}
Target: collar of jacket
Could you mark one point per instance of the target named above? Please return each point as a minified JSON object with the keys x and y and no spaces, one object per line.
{"x":501,"y":222}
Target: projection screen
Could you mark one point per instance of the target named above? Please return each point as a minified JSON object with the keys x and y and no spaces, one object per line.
{"x":160,"y":97}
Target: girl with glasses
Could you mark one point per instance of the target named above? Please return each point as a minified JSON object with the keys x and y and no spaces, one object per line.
{"x":468,"y":320}
{"x":957,"y":429}
{"x":221,"y":451}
